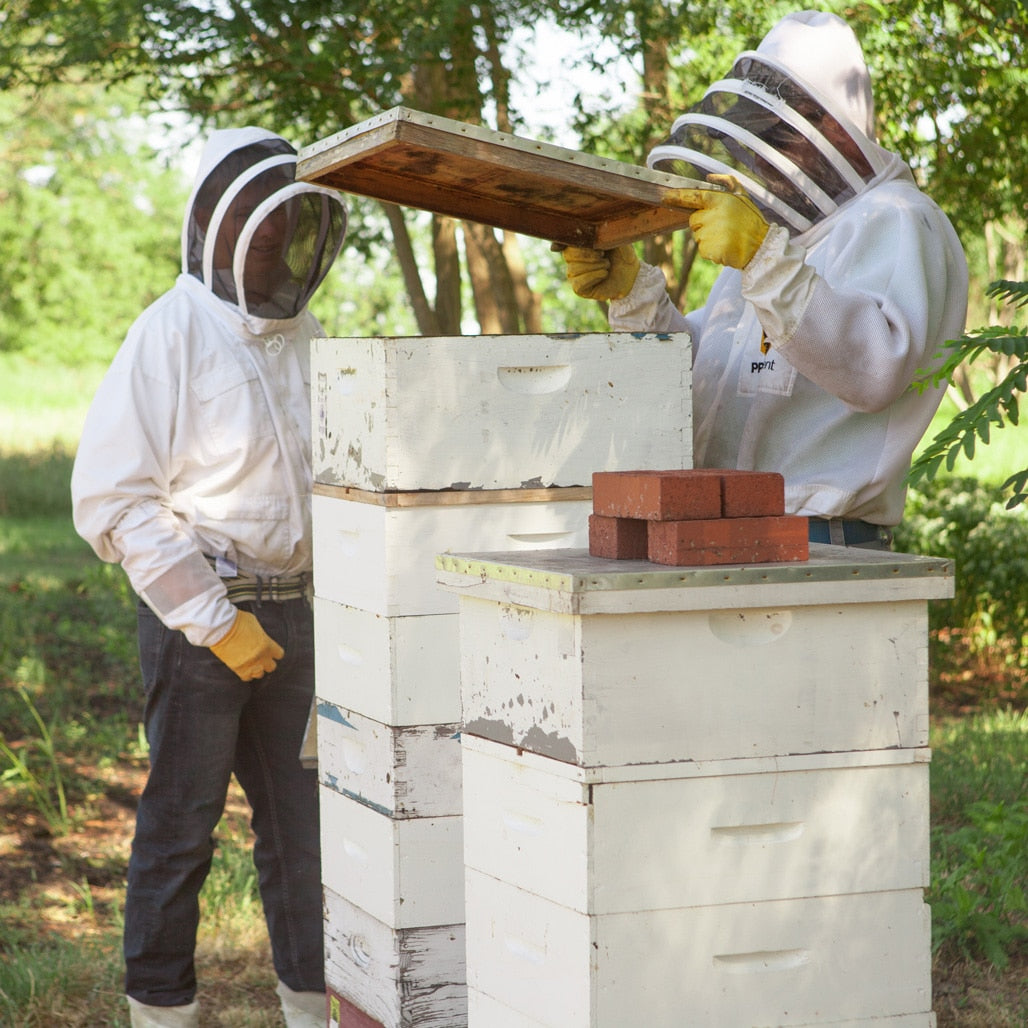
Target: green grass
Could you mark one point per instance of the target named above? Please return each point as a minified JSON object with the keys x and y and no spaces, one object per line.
{"x":42,"y":404}
{"x":979,"y":890}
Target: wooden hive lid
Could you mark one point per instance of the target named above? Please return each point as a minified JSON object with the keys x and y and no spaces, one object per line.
{"x":471,"y":172}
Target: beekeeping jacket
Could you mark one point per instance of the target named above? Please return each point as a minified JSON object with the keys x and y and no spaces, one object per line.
{"x":197,"y":444}
{"x":804,"y":360}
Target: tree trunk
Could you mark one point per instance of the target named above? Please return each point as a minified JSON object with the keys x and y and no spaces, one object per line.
{"x":428,"y":323}
{"x":659,"y":250}
{"x":447,"y":275}
{"x":448,"y":85}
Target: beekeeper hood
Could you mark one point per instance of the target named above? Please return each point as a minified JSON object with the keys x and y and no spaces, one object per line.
{"x":794,"y":122}
{"x":252,"y":234}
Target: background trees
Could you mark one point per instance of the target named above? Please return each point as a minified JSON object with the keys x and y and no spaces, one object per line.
{"x":949,"y":78}
{"x":80,"y":229}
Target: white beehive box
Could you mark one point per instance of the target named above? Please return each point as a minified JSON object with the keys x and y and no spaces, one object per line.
{"x":645,"y":837}
{"x":498,"y":412}
{"x":850,"y":959}
{"x":602,"y":663}
{"x":395,"y":670}
{"x":396,"y":977}
{"x":405,"y":872}
{"x":379,"y":555}
{"x":486,"y":1012}
{"x":401,"y":771}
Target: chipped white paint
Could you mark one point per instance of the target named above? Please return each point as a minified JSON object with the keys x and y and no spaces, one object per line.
{"x":635,"y":688}
{"x":400,"y":771}
{"x":397,"y":976}
{"x":695,"y":798}
{"x":382,"y":558}
{"x":502,"y":412}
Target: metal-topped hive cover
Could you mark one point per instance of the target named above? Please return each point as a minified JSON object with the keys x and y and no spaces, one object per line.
{"x":474,"y":173}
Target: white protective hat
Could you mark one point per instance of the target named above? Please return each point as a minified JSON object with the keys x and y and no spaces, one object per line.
{"x":822,"y":51}
{"x":792,"y":121}
{"x":252,"y":234}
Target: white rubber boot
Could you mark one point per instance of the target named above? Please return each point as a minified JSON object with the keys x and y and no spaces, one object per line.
{"x":302,"y":1009}
{"x":144,"y":1016}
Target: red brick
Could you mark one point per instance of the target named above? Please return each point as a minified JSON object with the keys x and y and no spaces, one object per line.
{"x":752,"y":494}
{"x":728,"y":541}
{"x":676,"y":495}
{"x":617,"y":538}
{"x":748,"y":494}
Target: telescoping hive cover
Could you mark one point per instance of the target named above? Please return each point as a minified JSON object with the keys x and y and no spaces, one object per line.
{"x":437,"y":164}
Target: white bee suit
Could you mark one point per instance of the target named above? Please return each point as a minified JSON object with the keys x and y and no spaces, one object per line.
{"x":859,"y":283}
{"x":198,"y":441}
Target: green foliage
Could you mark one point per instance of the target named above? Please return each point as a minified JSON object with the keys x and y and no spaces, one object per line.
{"x":43,"y":779}
{"x":997,"y":408}
{"x":89,"y":223}
{"x":979,"y":836}
{"x":35,"y":483}
{"x":950,"y":80}
{"x":963,"y":520}
{"x":978,"y":898}
{"x":42,"y":982}
{"x":61,"y":639}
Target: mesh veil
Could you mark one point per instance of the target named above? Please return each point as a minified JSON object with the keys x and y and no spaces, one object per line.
{"x":259,"y":239}
{"x":798,"y":160}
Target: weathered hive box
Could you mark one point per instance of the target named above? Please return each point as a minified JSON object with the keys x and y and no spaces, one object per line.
{"x":397,"y":671}
{"x":391,"y":977}
{"x":376,"y":551}
{"x":499,"y":412}
{"x":696,"y":796}
{"x":604,"y":663}
{"x":861,"y":959}
{"x":401,"y":771}
{"x":405,"y":872}
{"x":655,"y":836}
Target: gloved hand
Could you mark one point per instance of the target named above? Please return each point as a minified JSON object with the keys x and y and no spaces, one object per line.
{"x":601,"y":274}
{"x":727,"y":226}
{"x":247,"y":648}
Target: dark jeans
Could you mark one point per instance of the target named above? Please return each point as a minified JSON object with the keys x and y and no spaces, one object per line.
{"x":203,"y":724}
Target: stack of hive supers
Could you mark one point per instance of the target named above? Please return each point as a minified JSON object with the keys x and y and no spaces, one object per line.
{"x":699,"y":516}
{"x":420,"y":446}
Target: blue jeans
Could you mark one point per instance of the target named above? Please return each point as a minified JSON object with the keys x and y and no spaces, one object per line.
{"x":203,"y":724}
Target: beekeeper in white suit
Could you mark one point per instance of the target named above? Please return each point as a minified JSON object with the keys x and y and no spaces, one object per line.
{"x":841,"y":281}
{"x":193,"y":473}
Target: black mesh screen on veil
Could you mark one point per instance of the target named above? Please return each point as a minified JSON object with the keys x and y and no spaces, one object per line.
{"x":218,"y":181}
{"x":721,"y":149}
{"x":797,"y":160}
{"x":309,"y":227}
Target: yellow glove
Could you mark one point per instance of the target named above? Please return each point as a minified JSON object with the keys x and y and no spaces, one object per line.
{"x":247,"y":648}
{"x":727,"y":226}
{"x":601,"y":274}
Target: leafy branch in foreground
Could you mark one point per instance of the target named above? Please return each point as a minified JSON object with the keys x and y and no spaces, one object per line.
{"x":999,"y":406}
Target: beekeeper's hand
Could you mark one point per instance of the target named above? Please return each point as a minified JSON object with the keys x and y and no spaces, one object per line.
{"x":601,"y":274}
{"x":247,"y":648}
{"x":727,"y":226}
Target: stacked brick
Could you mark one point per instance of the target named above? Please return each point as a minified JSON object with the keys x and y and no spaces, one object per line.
{"x":694,"y":517}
